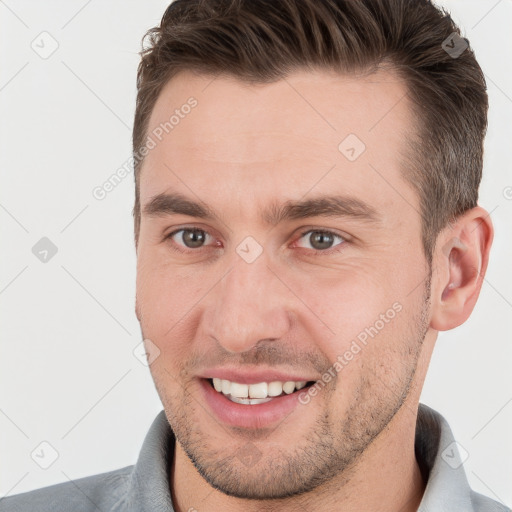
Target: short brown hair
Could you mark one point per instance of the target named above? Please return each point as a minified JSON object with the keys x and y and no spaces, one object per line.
{"x":261,"y":41}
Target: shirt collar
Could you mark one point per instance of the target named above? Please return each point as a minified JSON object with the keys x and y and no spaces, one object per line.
{"x":436,"y":451}
{"x":438,"y":456}
{"x":148,"y":485}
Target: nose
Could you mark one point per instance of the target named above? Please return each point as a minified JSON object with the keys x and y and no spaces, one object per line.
{"x":250,"y":304}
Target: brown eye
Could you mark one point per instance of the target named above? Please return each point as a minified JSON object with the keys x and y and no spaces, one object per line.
{"x":320,"y":240}
{"x":193,"y":238}
{"x":189,"y":238}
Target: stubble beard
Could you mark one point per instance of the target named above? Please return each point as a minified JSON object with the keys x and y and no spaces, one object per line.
{"x":328,"y":450}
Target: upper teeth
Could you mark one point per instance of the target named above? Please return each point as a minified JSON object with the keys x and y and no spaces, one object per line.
{"x":259,"y":390}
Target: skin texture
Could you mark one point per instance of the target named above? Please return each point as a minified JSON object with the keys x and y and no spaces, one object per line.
{"x":296,"y":307}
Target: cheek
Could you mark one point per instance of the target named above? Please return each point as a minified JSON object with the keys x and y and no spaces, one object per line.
{"x":346,"y":298}
{"x":165,"y":319}
{"x":360,"y":305}
{"x":169,"y":303}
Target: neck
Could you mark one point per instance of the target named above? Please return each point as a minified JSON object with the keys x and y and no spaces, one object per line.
{"x":385,"y":478}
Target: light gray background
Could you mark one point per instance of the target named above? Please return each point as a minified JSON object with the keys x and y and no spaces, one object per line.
{"x":68,"y":373}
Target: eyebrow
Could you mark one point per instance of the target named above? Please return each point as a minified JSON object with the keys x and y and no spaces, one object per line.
{"x":323,"y":206}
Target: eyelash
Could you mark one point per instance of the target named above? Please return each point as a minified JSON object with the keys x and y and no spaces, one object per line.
{"x":316,"y":252}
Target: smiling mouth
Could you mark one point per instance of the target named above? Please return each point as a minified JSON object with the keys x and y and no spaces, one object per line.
{"x":259,"y":393}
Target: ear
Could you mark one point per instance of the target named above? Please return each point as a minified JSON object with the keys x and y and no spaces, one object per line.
{"x":460,"y":262}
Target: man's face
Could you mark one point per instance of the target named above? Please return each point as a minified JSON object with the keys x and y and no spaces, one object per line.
{"x":264,"y":290}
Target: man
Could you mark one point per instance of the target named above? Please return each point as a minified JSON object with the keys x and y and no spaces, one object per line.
{"x":306,"y":222}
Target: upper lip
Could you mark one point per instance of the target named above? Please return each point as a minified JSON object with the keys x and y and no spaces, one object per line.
{"x":254,"y":376}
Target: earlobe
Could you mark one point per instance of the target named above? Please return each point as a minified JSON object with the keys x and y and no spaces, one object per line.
{"x":461,"y":265}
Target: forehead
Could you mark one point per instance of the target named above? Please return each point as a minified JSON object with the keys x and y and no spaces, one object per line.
{"x":219,"y":136}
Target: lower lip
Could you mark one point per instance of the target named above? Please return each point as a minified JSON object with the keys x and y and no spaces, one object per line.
{"x":249,"y":416}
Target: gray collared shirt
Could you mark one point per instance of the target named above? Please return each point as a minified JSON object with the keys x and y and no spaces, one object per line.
{"x":144,"y":487}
